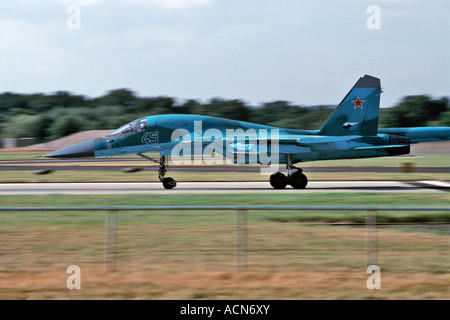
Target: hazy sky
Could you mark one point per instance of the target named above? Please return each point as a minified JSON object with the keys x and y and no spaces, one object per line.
{"x":305,"y":52}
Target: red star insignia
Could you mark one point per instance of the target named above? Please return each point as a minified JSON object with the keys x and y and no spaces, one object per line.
{"x":358,"y":103}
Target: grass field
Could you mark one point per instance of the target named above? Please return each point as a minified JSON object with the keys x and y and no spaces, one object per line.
{"x":191,"y":255}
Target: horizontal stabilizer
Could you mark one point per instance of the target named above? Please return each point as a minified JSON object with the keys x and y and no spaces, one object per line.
{"x":420,"y":134}
{"x":381,"y":147}
{"x":392,"y":150}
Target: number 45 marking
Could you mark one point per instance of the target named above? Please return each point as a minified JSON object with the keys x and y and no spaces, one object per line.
{"x":150,"y":137}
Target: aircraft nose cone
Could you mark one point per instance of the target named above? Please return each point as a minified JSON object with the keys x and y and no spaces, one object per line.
{"x":83,"y":149}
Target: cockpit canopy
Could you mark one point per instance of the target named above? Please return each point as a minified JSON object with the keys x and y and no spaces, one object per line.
{"x":132,"y":127}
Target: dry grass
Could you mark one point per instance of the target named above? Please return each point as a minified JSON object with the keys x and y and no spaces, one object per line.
{"x":160,"y":284}
{"x":168,"y":258}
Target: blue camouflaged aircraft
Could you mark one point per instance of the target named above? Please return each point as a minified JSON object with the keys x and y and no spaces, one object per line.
{"x":350,"y":132}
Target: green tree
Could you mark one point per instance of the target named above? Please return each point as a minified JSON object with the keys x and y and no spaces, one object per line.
{"x":10,"y":101}
{"x":64,"y":126}
{"x":229,"y":109}
{"x":415,"y":111}
{"x":21,"y":126}
{"x":154,"y":106}
{"x":189,"y":107}
{"x":40,"y":126}
{"x":444,"y":119}
{"x":279,"y":113}
{"x":122,"y":97}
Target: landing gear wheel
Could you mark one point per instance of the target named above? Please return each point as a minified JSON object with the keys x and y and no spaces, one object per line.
{"x":169,"y":183}
{"x":298,"y":180}
{"x":278,"y":180}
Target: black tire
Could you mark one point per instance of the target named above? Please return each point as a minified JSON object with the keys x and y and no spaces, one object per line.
{"x":298,"y":180}
{"x":278,"y":180}
{"x":169,"y":183}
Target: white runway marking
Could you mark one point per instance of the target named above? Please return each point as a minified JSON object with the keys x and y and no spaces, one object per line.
{"x":220,"y":187}
{"x":436,"y":184}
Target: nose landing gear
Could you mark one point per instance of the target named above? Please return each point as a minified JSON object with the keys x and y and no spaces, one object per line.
{"x":168,"y":183}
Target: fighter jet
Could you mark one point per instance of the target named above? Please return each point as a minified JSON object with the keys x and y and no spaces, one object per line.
{"x":350,"y":132}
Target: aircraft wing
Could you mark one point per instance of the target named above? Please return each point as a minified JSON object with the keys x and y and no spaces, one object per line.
{"x":308,"y":144}
{"x":286,"y":145}
{"x":314,"y":140}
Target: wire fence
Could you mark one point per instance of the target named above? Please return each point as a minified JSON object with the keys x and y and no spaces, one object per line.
{"x":241,"y":223}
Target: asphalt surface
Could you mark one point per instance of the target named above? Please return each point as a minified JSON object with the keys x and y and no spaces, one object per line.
{"x":220,"y":187}
{"x":224,"y":169}
{"x":138,"y":164}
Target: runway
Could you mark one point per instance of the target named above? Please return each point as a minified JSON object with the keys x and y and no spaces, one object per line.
{"x":144,"y":165}
{"x":220,"y":187}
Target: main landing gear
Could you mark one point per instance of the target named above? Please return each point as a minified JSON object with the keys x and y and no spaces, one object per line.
{"x":168,"y":183}
{"x":296,"y":179}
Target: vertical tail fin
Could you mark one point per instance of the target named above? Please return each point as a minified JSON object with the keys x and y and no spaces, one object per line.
{"x":357,"y":114}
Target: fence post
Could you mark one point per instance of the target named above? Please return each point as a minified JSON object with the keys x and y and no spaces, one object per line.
{"x":111,"y":241}
{"x":371,"y":237}
{"x":241,"y":239}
